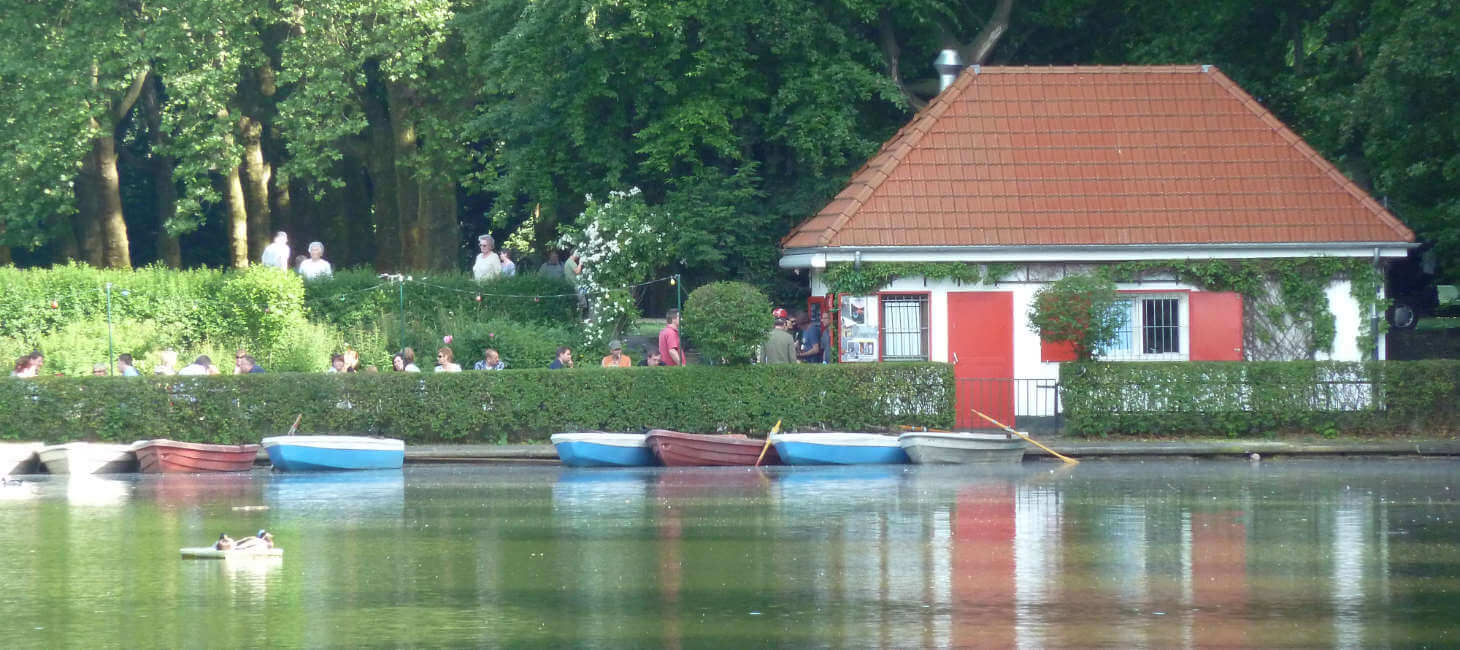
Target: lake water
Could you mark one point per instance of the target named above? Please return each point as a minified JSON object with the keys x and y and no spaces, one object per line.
{"x":1125,"y":554}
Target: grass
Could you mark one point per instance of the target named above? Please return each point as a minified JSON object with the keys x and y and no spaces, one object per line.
{"x":1445,"y":323}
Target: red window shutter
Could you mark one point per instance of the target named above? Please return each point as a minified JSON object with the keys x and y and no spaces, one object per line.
{"x":1061,"y":351}
{"x":1216,"y":326}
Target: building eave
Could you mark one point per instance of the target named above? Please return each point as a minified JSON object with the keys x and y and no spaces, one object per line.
{"x":820,"y":257}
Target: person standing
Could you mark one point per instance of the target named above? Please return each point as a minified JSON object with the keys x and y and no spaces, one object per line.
{"x":616,"y":357}
{"x":563,"y":360}
{"x":277,"y":253}
{"x":487,"y":265}
{"x":779,"y":347}
{"x":810,"y":350}
{"x":669,"y":350}
{"x":509,"y":268}
{"x":552,"y":268}
{"x":315,"y":266}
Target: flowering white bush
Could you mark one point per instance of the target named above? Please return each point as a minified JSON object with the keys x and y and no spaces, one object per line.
{"x":621,"y":243}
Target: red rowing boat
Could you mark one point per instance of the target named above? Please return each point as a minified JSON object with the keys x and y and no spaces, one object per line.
{"x":677,"y":449}
{"x":167,"y":456}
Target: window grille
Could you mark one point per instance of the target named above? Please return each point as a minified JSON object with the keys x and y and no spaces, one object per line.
{"x":904,"y":328}
{"x":1152,"y":328}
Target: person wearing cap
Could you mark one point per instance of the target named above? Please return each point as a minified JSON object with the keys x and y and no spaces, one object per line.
{"x":98,"y":370}
{"x":616,"y":357}
{"x":315,"y":266}
{"x":779,"y":347}
{"x":487,"y":265}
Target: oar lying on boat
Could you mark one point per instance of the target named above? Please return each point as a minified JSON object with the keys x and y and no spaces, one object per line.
{"x":1067,"y":459}
{"x":1006,"y":427}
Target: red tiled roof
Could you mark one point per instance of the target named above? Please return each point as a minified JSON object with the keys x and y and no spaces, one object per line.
{"x":1096,"y":155}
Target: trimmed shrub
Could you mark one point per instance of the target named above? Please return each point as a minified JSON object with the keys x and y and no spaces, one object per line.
{"x":726,"y":321}
{"x":1255,"y":398}
{"x":355,"y":298}
{"x":502,"y":406}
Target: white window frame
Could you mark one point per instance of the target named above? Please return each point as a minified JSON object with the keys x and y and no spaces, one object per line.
{"x":1136,"y":316}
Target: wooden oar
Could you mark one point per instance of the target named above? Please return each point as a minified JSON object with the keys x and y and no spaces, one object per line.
{"x":1005,"y":427}
{"x":295,"y":426}
{"x":774,"y":430}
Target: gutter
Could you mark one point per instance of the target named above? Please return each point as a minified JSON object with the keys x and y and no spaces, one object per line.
{"x":819,"y":257}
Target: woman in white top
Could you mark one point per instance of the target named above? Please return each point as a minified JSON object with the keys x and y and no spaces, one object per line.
{"x":315,"y":266}
{"x":444,"y":363}
{"x":487,"y":265}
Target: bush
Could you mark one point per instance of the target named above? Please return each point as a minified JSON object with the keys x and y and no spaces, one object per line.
{"x":359,"y":298}
{"x":1256,"y":398}
{"x":726,"y":321}
{"x":509,"y":405}
{"x":1077,"y":309}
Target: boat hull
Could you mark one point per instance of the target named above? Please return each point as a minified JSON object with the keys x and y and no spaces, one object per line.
{"x":171,"y":456}
{"x":210,"y":553}
{"x":962,"y":448}
{"x":331,"y":453}
{"x":839,"y":449}
{"x":19,"y":458}
{"x":603,"y":449}
{"x":88,"y":458}
{"x":677,"y":449}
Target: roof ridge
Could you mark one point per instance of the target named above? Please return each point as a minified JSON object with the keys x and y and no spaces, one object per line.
{"x":1308,"y":152}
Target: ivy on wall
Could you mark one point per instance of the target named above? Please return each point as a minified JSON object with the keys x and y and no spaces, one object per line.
{"x":870,"y":277}
{"x":1298,"y":284}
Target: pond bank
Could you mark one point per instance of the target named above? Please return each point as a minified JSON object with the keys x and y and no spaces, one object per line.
{"x":543,"y":453}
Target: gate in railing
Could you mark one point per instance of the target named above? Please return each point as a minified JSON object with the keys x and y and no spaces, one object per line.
{"x":1027,"y":404}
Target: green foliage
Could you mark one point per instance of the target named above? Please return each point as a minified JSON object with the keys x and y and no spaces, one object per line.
{"x":356,"y":298}
{"x":512,"y":405}
{"x":1077,"y":309}
{"x":1254,"y":398}
{"x":726,"y":321}
{"x":873,"y":276}
{"x":621,"y":245}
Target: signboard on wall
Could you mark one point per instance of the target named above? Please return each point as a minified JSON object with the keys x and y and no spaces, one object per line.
{"x":858,"y":328}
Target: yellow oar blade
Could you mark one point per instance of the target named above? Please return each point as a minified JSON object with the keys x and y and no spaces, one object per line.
{"x":774,"y":430}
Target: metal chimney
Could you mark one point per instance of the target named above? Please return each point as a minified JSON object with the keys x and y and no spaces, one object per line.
{"x":948,"y":65}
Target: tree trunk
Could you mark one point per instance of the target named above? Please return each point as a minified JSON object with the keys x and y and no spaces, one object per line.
{"x":116,"y":249}
{"x":164,"y":189}
{"x":977,"y":52}
{"x":355,"y":245}
{"x":414,"y":238}
{"x":444,"y":231}
{"x":85,"y":226}
{"x":237,"y":220}
{"x":281,"y":204}
{"x":254,"y":177}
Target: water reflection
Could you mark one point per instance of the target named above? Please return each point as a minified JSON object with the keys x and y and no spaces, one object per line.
{"x":1152,"y":555}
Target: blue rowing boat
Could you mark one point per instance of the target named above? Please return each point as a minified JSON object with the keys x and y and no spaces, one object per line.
{"x":603,"y":449}
{"x":838,"y":449}
{"x":325,"y":453}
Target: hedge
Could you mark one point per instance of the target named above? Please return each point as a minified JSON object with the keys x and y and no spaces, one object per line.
{"x":1259,"y":398}
{"x":356,"y":297}
{"x":479,"y":406}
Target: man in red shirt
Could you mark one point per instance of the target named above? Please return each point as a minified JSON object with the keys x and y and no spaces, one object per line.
{"x":669,"y":349}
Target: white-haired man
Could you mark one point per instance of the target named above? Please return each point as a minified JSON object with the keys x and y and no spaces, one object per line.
{"x":277,"y":253}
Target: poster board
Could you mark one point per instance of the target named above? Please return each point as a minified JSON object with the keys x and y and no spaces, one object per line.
{"x":857,"y":320}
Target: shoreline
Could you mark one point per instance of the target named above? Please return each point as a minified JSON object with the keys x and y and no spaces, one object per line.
{"x":1439,"y":448}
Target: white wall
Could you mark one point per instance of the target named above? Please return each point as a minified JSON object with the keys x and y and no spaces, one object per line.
{"x":1027,"y":365}
{"x":1349,"y":320}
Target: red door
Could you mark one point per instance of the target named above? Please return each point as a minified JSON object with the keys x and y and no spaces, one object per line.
{"x":981,"y":347}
